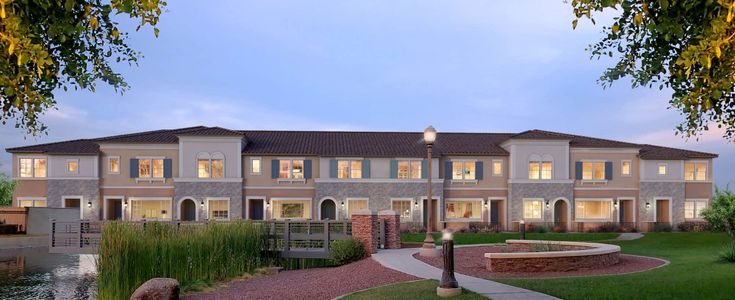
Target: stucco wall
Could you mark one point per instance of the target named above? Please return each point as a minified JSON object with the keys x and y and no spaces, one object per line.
{"x":123,"y":179}
{"x":39,"y":218}
{"x":522,"y":150}
{"x":619,"y":180}
{"x":191,"y":147}
{"x":87,"y":166}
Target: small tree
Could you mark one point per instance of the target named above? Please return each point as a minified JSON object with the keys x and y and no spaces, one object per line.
{"x":7,"y":186}
{"x":722,"y":213}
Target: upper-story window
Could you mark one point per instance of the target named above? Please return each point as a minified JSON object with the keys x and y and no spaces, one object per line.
{"x":32,"y":167}
{"x":113,"y":165}
{"x":210,"y":166}
{"x":497,"y":167}
{"x":540,"y":170}
{"x":662,"y":169}
{"x":72,"y":166}
{"x":695,"y":171}
{"x":150,"y":168}
{"x":593,"y":170}
{"x":350,"y":169}
{"x":463,"y":170}
{"x":626,"y":168}
{"x":409,"y":169}
{"x":291,"y":169}
{"x":256,"y":166}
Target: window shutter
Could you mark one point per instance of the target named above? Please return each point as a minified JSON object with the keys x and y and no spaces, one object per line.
{"x":332,"y":168}
{"x":167,"y":168}
{"x":365,"y":168}
{"x":133,"y":168}
{"x":608,"y":170}
{"x":393,"y":168}
{"x":307,"y":168}
{"x":578,"y":170}
{"x":275,"y":164}
{"x":424,"y":169}
{"x":478,"y":170}
{"x":448,"y":170}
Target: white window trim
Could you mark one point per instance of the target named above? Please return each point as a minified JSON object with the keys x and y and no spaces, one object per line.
{"x":436,"y":211}
{"x":630,"y":168}
{"x":33,"y":166}
{"x":251,"y":165}
{"x":409,"y":160}
{"x":666,"y":169}
{"x":105,"y":206}
{"x":492,"y":167}
{"x":76,"y":160}
{"x":635,"y":203}
{"x":347,"y":204}
{"x":151,"y":158}
{"x":34,"y":199}
{"x":129,"y":210}
{"x":247,"y":206}
{"x":540,"y":169}
{"x":411,"y":202}
{"x":464,"y":180}
{"x":229,"y":211}
{"x":655,"y":208}
{"x":610,"y":213}
{"x":543,"y":209}
{"x":349,"y":167}
{"x":210,"y":157}
{"x":109,"y":170}
{"x":706,"y":204}
{"x":481,"y":200}
{"x":593,"y":161}
{"x":290,"y":170}
{"x":276,"y":199}
{"x":695,"y":162}
{"x":82,"y":204}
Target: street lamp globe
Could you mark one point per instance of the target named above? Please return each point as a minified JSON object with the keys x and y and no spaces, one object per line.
{"x":429,"y":135}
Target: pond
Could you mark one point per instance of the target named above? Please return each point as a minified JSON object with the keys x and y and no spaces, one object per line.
{"x":33,"y":273}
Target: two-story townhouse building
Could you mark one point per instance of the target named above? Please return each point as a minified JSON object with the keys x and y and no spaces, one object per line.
{"x":210,"y":173}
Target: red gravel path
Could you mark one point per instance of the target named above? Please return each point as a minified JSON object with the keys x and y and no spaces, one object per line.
{"x":320,"y":283}
{"x":471,"y":261}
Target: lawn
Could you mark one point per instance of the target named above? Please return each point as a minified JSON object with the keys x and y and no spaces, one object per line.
{"x":424,"y":289}
{"x":487,"y":238}
{"x":694,"y":272}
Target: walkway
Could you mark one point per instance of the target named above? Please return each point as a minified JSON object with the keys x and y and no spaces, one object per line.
{"x":403,"y":260}
{"x":629,"y":236}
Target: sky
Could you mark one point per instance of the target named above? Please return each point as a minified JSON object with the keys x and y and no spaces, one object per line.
{"x":461,"y":66}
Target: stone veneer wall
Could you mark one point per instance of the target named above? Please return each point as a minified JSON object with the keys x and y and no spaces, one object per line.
{"x":379,"y":194}
{"x":652,"y":190}
{"x":89,"y":189}
{"x":548,"y":191}
{"x":199,"y":191}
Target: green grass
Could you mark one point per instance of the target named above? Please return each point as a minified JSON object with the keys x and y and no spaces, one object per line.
{"x":487,"y":238}
{"x":424,"y":289}
{"x":694,"y":273}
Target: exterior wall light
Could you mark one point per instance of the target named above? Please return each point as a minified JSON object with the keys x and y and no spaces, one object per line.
{"x":416,"y":204}
{"x":267,"y":204}
{"x":648,"y":205}
{"x":615,"y":204}
{"x":547,"y":204}
{"x":485,"y":204}
{"x":342,"y":204}
{"x":89,"y":204}
{"x":125,"y":204}
{"x":201,"y":204}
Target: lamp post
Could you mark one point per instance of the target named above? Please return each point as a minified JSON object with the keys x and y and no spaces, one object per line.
{"x":522,"y":224}
{"x":448,"y":286}
{"x":429,"y":249}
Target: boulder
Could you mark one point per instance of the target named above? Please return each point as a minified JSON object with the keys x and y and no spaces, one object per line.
{"x":157,"y":288}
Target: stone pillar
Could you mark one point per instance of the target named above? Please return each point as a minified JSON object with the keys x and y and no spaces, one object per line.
{"x":365,"y":229}
{"x":392,"y":228}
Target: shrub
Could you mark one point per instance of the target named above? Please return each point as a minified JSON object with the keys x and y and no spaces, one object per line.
{"x":721,"y":215}
{"x":693,"y":226}
{"x":662,"y":227}
{"x":559,"y":228}
{"x":484,"y":228}
{"x":346,"y":251}
{"x":727,"y":254}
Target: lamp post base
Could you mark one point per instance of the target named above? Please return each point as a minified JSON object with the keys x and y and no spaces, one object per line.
{"x":431,"y":251}
{"x":448,"y":292}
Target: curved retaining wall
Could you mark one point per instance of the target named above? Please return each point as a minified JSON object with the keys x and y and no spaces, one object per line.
{"x":573,"y":256}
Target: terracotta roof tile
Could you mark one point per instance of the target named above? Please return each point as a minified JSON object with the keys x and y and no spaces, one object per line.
{"x":659,"y":152}
{"x":80,"y":147}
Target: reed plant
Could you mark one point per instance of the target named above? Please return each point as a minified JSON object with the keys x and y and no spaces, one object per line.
{"x":195,"y":255}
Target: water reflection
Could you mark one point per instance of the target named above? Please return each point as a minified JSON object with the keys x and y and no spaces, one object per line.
{"x":33,"y":273}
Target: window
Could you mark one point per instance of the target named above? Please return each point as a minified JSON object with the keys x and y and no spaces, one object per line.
{"x":40,"y":202}
{"x":533,"y":209}
{"x":354,"y":205}
{"x":594,"y":170}
{"x":291,"y":209}
{"x":203,"y":168}
{"x":464,"y":209}
{"x":210,"y":166}
{"x":218,"y":209}
{"x":32,"y":167}
{"x":349,"y":169}
{"x":409,"y":169}
{"x":255,"y":166}
{"x":534,"y":170}
{"x":693,"y":208}
{"x":540,"y":170}
{"x":695,"y":171}
{"x":587,"y":210}
{"x":463,"y":170}
{"x":150,"y":209}
{"x":72,"y":166}
{"x":403,"y":207}
{"x":113,"y":165}
{"x":546,"y":169}
{"x":497,"y":168}
{"x":662,"y":169}
{"x":626,"y":168}
{"x":291,"y":169}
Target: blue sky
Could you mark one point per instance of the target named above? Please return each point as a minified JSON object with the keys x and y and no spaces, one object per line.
{"x":372,"y":65}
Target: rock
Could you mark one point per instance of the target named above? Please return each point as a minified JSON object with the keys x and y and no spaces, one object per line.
{"x":157,"y":288}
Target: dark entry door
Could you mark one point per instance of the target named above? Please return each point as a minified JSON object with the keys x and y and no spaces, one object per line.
{"x":494,"y":212}
{"x":621,"y":211}
{"x":256,"y":209}
{"x":328,"y":210}
{"x":188,"y":210}
{"x":117,"y":209}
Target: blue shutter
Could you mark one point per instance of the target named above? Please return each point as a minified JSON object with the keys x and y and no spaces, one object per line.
{"x":275,"y":164}
{"x":424,"y":169}
{"x":608,"y":170}
{"x":167,"y":168}
{"x":478,"y":170}
{"x":365,"y":168}
{"x":133,"y":168}
{"x":393,"y":168}
{"x":578,"y":170}
{"x":332,"y":168}
{"x":448,"y":170}
{"x":307,"y":168}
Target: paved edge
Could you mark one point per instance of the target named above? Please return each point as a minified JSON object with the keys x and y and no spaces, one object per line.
{"x":402,"y":260}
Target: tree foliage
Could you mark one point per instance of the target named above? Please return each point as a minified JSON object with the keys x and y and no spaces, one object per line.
{"x":7,"y":186}
{"x":685,"y":45}
{"x":60,"y":44}
{"x":721,"y":214}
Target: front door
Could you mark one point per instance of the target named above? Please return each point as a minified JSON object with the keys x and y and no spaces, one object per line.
{"x":188,"y":210}
{"x":662,"y":211}
{"x":494,"y":212}
{"x":117,"y":209}
{"x":256,"y":209}
{"x":328,"y":210}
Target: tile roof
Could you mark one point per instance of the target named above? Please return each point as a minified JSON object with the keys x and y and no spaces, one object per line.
{"x":348,"y":143}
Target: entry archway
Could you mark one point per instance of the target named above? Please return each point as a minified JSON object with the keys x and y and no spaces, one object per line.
{"x":188,"y":210}
{"x":328,"y":209}
{"x":562,"y":212}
